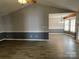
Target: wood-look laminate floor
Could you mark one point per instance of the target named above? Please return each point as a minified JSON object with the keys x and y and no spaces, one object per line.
{"x":59,"y":46}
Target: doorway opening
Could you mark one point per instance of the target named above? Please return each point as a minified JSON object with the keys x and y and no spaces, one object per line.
{"x":62,"y":23}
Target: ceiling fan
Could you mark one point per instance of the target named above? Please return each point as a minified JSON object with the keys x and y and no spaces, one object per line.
{"x":27,"y":1}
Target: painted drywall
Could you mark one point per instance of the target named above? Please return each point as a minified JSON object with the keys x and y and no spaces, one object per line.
{"x":7,"y":23}
{"x":29,"y":22}
{"x":1,"y":25}
{"x":2,"y":29}
{"x":77,"y":26}
{"x":33,"y":18}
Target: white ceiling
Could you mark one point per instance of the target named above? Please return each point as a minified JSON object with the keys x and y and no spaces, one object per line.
{"x":7,"y":6}
{"x":64,"y":4}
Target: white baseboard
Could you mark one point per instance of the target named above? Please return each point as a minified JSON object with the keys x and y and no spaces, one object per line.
{"x":29,"y":39}
{"x":56,"y":33}
{"x":2,"y":39}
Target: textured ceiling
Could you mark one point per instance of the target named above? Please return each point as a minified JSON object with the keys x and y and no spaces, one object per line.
{"x":7,"y":6}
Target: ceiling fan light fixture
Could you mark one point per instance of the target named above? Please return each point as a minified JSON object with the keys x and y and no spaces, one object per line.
{"x":22,"y":1}
{"x":32,"y":1}
{"x":26,"y":1}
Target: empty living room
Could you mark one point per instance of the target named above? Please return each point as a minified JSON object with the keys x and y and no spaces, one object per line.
{"x":39,"y":29}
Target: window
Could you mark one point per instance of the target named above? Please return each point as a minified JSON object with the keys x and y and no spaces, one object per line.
{"x":66,"y":25}
{"x":72,"y":25}
{"x":69,"y":25}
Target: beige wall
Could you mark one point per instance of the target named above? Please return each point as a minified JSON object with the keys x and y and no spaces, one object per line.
{"x":77,"y":27}
{"x":32,"y":18}
{"x":7,"y":23}
{"x":1,"y":25}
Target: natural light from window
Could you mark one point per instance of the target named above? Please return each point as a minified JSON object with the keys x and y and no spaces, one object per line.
{"x":66,"y":25}
{"x":72,"y":27}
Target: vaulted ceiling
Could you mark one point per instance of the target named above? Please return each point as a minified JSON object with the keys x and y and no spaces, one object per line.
{"x":7,"y":6}
{"x":64,"y":4}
